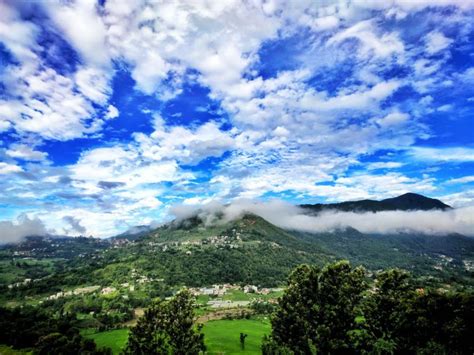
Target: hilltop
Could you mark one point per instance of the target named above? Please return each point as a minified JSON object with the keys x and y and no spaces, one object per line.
{"x":405,"y":202}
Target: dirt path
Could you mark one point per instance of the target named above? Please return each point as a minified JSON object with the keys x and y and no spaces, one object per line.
{"x":216,"y":315}
{"x":221,"y":314}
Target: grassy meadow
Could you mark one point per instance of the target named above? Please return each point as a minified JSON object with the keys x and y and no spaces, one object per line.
{"x":221,"y":336}
{"x":114,"y":339}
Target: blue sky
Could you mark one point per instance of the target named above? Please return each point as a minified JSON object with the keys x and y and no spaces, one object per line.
{"x":111,"y":112}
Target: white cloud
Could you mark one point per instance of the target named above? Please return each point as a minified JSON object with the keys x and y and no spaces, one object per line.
{"x":288,"y":133}
{"x":120,"y":164}
{"x":452,"y":154}
{"x":41,"y":99}
{"x":112,"y":112}
{"x":25,"y":152}
{"x":393,"y":119}
{"x":75,"y":225}
{"x":185,"y":145}
{"x":288,"y":216}
{"x":93,"y":84}
{"x":464,"y":198}
{"x":4,"y":125}
{"x":365,"y":32}
{"x":6,"y":168}
{"x":445,"y":108}
{"x":80,"y":22}
{"x":384,"y":165}
{"x":436,"y":42}
{"x":461,"y":180}
{"x":408,"y":5}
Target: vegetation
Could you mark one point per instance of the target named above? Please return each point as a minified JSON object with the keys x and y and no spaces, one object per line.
{"x":167,"y":327}
{"x":65,"y":294}
{"x":333,"y":310}
{"x":30,"y":327}
{"x":115,"y":339}
{"x":222,"y":336}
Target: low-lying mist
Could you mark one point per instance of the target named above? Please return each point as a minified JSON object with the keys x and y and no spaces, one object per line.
{"x":287,"y":216}
{"x":14,"y":232}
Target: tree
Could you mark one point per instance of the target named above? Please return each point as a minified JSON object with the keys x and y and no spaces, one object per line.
{"x":167,"y":327}
{"x":399,"y":319}
{"x":317,"y":310}
{"x":385,"y":311}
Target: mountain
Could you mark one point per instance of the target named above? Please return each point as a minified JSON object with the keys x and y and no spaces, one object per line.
{"x":133,"y":233}
{"x":405,"y":202}
{"x":252,"y":250}
{"x":248,"y":250}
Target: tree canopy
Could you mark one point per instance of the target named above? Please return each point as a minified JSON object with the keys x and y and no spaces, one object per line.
{"x":167,"y":327}
{"x":334,"y":310}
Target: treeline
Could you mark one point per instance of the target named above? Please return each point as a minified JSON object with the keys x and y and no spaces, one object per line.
{"x":334,"y":310}
{"x":32,"y":328}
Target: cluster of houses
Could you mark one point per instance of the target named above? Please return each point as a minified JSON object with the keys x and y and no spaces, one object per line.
{"x":215,"y":290}
{"x":120,"y":242}
{"x":142,"y":279}
{"x":221,"y":290}
{"x":21,"y":283}
{"x":229,"y":241}
{"x":468,"y":265}
{"x":138,"y":279}
{"x":443,"y":261}
{"x":75,"y":292}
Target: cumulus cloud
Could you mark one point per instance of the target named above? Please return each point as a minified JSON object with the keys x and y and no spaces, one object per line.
{"x":436,"y":41}
{"x":451,"y":154}
{"x":294,"y":126}
{"x":185,"y":145}
{"x":288,"y":216}
{"x":44,"y":99}
{"x":112,"y":112}
{"x":461,"y":180}
{"x":13,"y":232}
{"x":371,"y":43}
{"x":6,"y":168}
{"x":25,"y":152}
{"x":75,"y":225}
{"x":82,"y":25}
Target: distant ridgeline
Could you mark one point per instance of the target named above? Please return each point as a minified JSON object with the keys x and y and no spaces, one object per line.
{"x":406,"y":202}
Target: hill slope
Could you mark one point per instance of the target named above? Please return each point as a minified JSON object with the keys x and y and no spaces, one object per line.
{"x":251,"y":250}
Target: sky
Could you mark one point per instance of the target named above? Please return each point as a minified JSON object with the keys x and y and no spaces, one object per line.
{"x":112,"y":112}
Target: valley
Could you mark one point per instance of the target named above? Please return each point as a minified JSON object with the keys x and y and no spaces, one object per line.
{"x":236,"y":269}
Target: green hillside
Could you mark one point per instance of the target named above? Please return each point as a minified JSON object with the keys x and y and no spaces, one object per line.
{"x":249,"y":250}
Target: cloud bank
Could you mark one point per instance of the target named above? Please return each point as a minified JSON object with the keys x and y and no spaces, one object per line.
{"x":287,"y":216}
{"x":14,"y":232}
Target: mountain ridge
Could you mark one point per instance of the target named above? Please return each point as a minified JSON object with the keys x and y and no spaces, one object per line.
{"x":406,"y":202}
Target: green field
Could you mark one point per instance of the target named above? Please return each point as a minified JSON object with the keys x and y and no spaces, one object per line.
{"x":114,"y":339}
{"x":7,"y":350}
{"x":222,"y":336}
